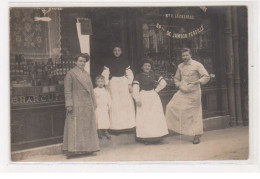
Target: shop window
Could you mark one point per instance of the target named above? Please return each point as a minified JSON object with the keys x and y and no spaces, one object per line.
{"x":167,"y":31}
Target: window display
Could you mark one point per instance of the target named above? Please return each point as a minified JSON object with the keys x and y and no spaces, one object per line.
{"x":165,"y":34}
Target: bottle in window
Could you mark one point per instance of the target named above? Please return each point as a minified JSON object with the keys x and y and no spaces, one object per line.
{"x":12,"y":69}
{"x":55,"y":68}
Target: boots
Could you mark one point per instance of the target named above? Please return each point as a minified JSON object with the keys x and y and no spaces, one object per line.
{"x":99,"y":134}
{"x":196,"y":139}
{"x":106,"y":134}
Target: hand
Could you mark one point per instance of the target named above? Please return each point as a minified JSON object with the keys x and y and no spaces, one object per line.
{"x":138,"y":104}
{"x":106,"y":87}
{"x":183,"y":88}
{"x":130,"y":88}
{"x":69,"y":108}
{"x":194,"y":82}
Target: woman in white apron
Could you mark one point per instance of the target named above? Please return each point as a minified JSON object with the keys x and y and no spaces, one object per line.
{"x":118,"y":79}
{"x":150,"y":120}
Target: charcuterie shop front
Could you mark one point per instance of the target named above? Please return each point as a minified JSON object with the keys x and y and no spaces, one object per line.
{"x":44,"y":41}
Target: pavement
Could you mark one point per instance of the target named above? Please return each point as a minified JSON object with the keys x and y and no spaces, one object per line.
{"x":225,"y":144}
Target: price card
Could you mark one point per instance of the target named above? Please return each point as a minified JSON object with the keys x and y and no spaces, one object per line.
{"x":52,"y":88}
{"x":45,"y":89}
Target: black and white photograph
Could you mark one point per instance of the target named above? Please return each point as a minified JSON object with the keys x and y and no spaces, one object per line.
{"x":129,"y":83}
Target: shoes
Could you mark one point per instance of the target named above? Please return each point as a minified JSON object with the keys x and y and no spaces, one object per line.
{"x":72,"y":155}
{"x":107,"y":135}
{"x":196,"y":139}
{"x":99,"y":134}
{"x":147,"y":143}
{"x":81,"y":154}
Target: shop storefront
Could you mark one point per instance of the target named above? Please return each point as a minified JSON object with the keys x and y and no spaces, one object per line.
{"x":41,"y":54}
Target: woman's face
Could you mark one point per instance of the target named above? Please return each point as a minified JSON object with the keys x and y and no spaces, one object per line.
{"x":81,"y":62}
{"x":117,"y":51}
{"x":146,"y":67}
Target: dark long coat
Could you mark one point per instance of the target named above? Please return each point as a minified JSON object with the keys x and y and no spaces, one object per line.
{"x":80,"y":132}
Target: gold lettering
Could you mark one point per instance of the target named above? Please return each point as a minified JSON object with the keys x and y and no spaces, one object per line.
{"x":15,"y":100}
{"x":35,"y":99}
{"x":29,"y":100}
{"x":22,"y":99}
{"x":43,"y":98}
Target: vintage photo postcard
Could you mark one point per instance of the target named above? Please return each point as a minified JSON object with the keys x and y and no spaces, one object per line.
{"x":142,"y":83}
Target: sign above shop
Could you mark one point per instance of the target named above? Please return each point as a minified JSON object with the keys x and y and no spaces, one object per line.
{"x":178,"y":27}
{"x":86,"y":27}
{"x":34,"y":99}
{"x":181,"y":35}
{"x":179,"y":16}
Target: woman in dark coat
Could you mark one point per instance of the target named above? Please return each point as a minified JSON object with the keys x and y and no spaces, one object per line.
{"x":80,"y":132}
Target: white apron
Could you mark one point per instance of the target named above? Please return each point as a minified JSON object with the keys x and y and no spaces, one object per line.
{"x":102,"y":115}
{"x":122,"y":112}
{"x":150,"y":120}
{"x":102,"y":111}
{"x":184,"y":113}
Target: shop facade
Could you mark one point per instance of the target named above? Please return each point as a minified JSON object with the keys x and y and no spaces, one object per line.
{"x":41,"y":54}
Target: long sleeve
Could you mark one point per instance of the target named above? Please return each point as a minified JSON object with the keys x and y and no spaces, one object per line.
{"x":162,"y":84}
{"x":108,"y":99}
{"x":136,"y":93}
{"x":106,"y":73}
{"x":68,"y":90}
{"x":129,"y":75}
{"x":204,"y":76}
{"x":177,"y":78}
{"x":93,"y":98}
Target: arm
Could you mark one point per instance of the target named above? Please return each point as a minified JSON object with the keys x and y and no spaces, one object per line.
{"x":136,"y":89}
{"x":109,"y":99}
{"x":204,"y":76}
{"x":162,"y":84}
{"x":177,"y":78}
{"x":129,"y":75}
{"x":106,"y":74}
{"x":93,"y":99}
{"x":68,"y":90}
{"x":136,"y":94}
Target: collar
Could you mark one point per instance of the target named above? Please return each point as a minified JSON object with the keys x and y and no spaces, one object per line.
{"x":83,"y":77}
{"x":147,"y":74}
{"x":78,"y":69}
{"x":117,"y":58}
{"x":188,"y":62}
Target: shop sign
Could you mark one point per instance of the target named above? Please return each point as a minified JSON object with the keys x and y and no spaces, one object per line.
{"x":183,"y":35}
{"x":178,"y":15}
{"x":42,"y":98}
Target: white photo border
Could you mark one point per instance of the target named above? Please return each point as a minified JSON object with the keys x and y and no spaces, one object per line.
{"x":252,"y":164}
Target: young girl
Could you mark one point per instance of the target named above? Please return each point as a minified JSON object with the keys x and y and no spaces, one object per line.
{"x":150,"y":121}
{"x":103,"y":104}
{"x":119,"y":78}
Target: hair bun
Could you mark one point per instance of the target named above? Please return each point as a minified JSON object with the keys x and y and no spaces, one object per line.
{"x":83,"y":55}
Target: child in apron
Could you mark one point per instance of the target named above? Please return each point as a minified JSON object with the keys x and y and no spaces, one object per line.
{"x":103,"y":104}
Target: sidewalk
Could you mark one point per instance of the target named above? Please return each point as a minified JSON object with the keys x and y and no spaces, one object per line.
{"x":224,"y":144}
